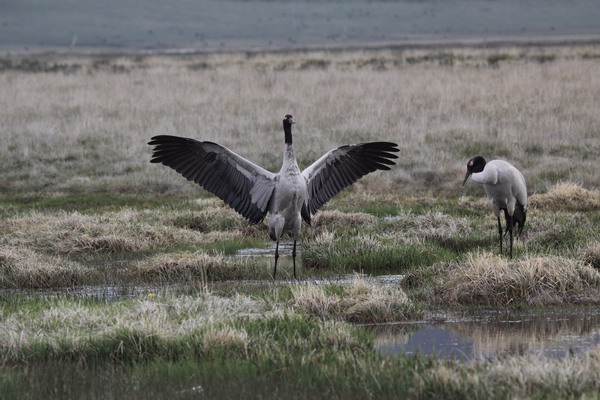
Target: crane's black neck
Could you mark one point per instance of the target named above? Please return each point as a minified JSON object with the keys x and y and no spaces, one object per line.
{"x":287,"y":129}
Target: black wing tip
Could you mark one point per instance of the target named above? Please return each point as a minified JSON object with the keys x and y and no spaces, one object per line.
{"x":167,"y":139}
{"x":383,"y":148}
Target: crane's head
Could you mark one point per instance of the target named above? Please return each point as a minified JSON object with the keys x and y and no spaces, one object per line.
{"x":289,"y":119}
{"x":475,"y":164}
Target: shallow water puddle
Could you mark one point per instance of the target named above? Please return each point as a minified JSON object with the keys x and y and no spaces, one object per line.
{"x":285,"y":250}
{"x":553,"y":333}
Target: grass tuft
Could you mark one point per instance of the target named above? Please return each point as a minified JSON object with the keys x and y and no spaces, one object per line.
{"x":125,"y":231}
{"x":335,"y":219}
{"x":490,"y":279}
{"x":591,"y":254}
{"x":360,"y":302}
{"x":567,"y":196}
{"x":198,"y":266}
{"x":24,"y":268}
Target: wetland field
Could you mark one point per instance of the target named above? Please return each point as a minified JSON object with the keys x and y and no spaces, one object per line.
{"x":120,"y":279}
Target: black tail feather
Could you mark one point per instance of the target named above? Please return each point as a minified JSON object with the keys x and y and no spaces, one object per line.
{"x":519,"y":217}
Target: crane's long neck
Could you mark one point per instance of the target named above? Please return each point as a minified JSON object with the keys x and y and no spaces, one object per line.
{"x":289,"y":157}
{"x":287,"y":129}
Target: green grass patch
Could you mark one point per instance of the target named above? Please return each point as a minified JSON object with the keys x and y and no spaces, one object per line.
{"x":315,"y":374}
{"x":89,"y":203}
{"x":351,"y":255}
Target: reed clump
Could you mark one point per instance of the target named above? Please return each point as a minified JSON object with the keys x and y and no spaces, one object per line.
{"x":197,"y":266}
{"x":431,"y":225}
{"x":125,"y":231}
{"x":179,"y":266}
{"x":525,"y":376}
{"x":360,"y":302}
{"x":332,"y":219}
{"x":27,"y":269}
{"x":130,"y":330}
{"x":567,"y":196}
{"x":490,"y":279}
{"x":514,"y":377}
{"x":210,"y":215}
{"x":591,"y":254}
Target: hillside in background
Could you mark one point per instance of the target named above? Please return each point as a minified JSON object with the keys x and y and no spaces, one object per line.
{"x":262,"y":24}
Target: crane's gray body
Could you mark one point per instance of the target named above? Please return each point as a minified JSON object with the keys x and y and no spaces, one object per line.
{"x":287,"y":198}
{"x":504,"y":184}
{"x":506,"y":187}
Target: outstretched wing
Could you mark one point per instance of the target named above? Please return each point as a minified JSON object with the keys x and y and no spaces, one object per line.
{"x":244,"y":186}
{"x":343,"y":166}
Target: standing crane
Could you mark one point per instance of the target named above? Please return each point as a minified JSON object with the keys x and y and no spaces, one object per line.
{"x":289,"y":196}
{"x":506,"y":187}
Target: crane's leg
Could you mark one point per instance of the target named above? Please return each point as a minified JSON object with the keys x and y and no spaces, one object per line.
{"x":500,"y":232}
{"x":276,"y":258}
{"x":294,"y":258}
{"x":510,"y":232}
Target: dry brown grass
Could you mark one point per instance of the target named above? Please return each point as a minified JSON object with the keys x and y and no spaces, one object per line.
{"x":225,"y":336}
{"x":112,"y":232}
{"x":591,"y":254}
{"x":479,"y":202}
{"x":182,"y":266}
{"x":569,"y":375}
{"x":362,"y":302}
{"x":567,"y":196}
{"x":208,"y":215}
{"x":199,"y":266}
{"x":76,"y":325}
{"x":87,"y":131}
{"x":429,"y":226}
{"x":24,"y":268}
{"x":518,"y":377}
{"x":490,"y":279}
{"x":335,"y":219}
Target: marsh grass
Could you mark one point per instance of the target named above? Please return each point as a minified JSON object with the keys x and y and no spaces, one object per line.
{"x":567,"y":196}
{"x":516,"y":377}
{"x":366,"y":253}
{"x":591,"y":254}
{"x":85,"y":203}
{"x":489,"y":279}
{"x":166,"y":327}
{"x":332,"y":219}
{"x":124,"y":231}
{"x":131,"y":330}
{"x":75,"y":160}
{"x":24,"y":268}
{"x":359,"y":302}
{"x":199,"y":266}
{"x":337,"y":243}
{"x":343,"y":371}
{"x":86,"y":131}
{"x":399,"y":242}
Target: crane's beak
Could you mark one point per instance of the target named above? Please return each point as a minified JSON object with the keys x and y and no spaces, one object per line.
{"x":467,"y":177}
{"x":292,"y":121}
